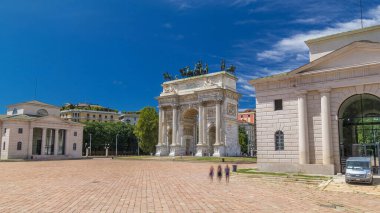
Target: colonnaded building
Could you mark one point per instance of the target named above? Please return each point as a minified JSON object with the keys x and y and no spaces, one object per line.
{"x":198,"y":116}
{"x":313,"y":118}
{"x":34,"y":130}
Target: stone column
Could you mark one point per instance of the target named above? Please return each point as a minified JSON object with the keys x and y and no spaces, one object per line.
{"x":174,"y":128}
{"x":56,"y":142}
{"x":160,"y":135}
{"x":200,"y":123}
{"x":303,"y":142}
{"x":43,"y":144}
{"x":217,"y":123}
{"x":30,"y":142}
{"x":204,"y":125}
{"x":326,"y":126}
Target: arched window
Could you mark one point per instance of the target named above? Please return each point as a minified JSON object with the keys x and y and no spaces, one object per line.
{"x":279,"y":140}
{"x":19,"y":145}
{"x":74,"y":146}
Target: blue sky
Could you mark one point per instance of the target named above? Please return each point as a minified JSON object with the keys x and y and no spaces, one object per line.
{"x":114,"y":52}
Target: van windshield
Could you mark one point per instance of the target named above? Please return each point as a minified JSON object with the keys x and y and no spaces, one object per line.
{"x":357,"y":165}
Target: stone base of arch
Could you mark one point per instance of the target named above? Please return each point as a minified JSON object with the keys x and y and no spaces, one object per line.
{"x":218,"y":150}
{"x":202,"y":150}
{"x":176,"y":150}
{"x":162,"y":150}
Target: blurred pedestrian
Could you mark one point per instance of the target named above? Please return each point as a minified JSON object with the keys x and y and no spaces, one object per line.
{"x":211,"y":174}
{"x":227,"y":172}
{"x":219,"y":173}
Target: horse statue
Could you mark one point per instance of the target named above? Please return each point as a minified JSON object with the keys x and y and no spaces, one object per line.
{"x":167,"y":76}
{"x":223,"y":65}
{"x":231,"y":69}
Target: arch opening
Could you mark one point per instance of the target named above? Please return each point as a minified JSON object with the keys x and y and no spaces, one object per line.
{"x":359,"y":128}
{"x":190,"y":130}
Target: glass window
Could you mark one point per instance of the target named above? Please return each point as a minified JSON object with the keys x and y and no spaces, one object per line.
{"x":75,"y":133}
{"x":5,"y":131}
{"x":19,"y":145}
{"x":279,"y":140}
{"x":20,"y":130}
{"x":4,"y":145}
{"x":278,"y":104}
{"x":74,"y":146}
{"x":14,"y":111}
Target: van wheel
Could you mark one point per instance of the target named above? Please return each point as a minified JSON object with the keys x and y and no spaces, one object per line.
{"x":347,"y":181}
{"x":371,"y":183}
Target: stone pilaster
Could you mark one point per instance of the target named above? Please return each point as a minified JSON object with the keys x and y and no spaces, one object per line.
{"x":303,"y":141}
{"x":160,"y":117}
{"x":56,"y":142}
{"x":217,"y":123}
{"x":200,"y":124}
{"x":30,"y":143}
{"x":174,"y":127}
{"x":43,"y":143}
{"x":326,"y":126}
{"x":204,"y":125}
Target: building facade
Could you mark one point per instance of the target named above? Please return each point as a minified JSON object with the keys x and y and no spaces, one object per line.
{"x":247,"y":116}
{"x":313,"y":118}
{"x":197,"y":116}
{"x":87,"y":112}
{"x":250,"y":129}
{"x":34,"y":130}
{"x":130,"y":117}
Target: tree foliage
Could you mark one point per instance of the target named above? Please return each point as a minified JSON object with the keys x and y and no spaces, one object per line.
{"x":105,"y":133}
{"x":243,"y":140}
{"x":147,"y":129}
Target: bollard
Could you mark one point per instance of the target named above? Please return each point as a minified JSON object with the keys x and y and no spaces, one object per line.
{"x":234,"y":168}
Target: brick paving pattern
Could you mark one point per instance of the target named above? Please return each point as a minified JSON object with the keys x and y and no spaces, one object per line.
{"x":103,"y":185}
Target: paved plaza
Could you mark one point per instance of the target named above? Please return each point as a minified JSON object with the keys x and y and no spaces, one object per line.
{"x":105,"y":185}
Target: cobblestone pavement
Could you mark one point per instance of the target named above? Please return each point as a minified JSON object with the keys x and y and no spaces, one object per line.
{"x":338,"y":184}
{"x":103,"y":185}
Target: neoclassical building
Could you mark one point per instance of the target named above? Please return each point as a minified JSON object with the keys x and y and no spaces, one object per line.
{"x":198,"y":116}
{"x":34,"y":130}
{"x":313,"y":118}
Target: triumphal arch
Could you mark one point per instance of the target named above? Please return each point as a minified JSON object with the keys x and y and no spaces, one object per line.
{"x":198,"y":116}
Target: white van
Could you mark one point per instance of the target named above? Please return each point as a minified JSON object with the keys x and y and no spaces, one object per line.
{"x":359,"y":169}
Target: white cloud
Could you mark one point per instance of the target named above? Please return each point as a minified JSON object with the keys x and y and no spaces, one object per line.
{"x":314,"y":20}
{"x":294,"y":45}
{"x":242,"y":3}
{"x":271,"y":55}
{"x":167,"y":25}
{"x":248,"y":21}
{"x":188,"y":4}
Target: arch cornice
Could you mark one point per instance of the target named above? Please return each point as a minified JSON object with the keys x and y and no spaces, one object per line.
{"x":372,"y":90}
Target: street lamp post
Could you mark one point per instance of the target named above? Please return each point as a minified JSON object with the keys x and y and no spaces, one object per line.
{"x":116,"y":145}
{"x":90,"y":144}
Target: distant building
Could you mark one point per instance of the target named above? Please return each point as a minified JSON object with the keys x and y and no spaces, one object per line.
{"x":247,"y":115}
{"x":88,"y":112}
{"x":130,"y":117}
{"x":34,"y":130}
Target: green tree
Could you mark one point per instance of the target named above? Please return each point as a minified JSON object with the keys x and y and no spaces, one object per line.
{"x":147,"y":130}
{"x":243,"y":140}
{"x":105,"y":133}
